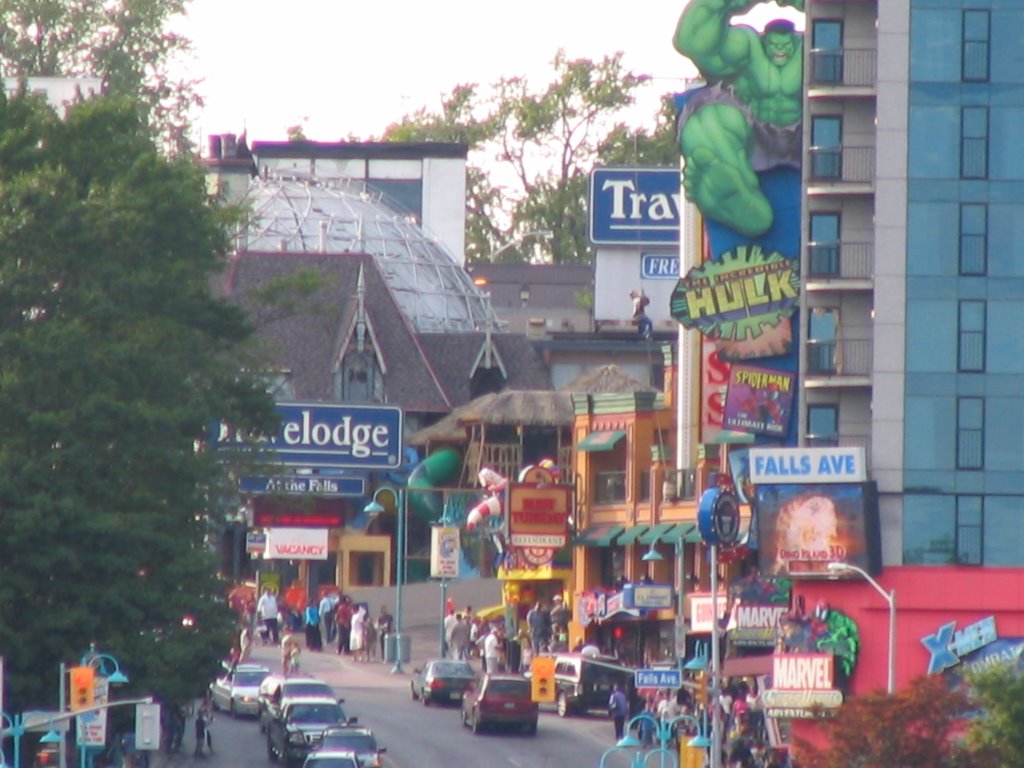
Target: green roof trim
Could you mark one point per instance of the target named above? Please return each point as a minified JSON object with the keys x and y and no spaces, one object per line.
{"x":601,"y":441}
{"x":601,"y":535}
{"x":657,"y":533}
{"x":632,"y":534}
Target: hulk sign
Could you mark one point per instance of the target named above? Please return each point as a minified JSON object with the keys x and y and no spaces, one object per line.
{"x":748,"y":118}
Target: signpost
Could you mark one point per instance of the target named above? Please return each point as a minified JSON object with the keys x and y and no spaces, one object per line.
{"x":658,"y":678}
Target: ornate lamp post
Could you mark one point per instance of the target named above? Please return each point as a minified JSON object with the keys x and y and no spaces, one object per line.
{"x":664,"y":731}
{"x":402,"y":512}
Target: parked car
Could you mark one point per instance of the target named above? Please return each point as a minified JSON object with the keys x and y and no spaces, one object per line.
{"x":441,"y":680}
{"x":331,"y":759}
{"x":355,"y":739}
{"x":299,"y":727}
{"x":275,"y":689}
{"x":499,"y":699}
{"x":584,"y":683}
{"x":238,"y":690}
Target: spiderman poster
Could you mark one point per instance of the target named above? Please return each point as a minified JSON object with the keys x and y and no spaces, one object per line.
{"x":758,"y":400}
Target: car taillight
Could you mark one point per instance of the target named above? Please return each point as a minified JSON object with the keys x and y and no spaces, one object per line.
{"x":436,"y":684}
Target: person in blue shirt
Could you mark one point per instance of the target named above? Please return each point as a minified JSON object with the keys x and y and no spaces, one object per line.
{"x":314,"y":641}
{"x":618,"y":708}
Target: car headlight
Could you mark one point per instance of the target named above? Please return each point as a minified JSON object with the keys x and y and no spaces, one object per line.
{"x":296,"y":738}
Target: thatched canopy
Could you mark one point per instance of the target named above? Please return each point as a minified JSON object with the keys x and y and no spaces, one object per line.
{"x":607,"y":378}
{"x":536,"y":408}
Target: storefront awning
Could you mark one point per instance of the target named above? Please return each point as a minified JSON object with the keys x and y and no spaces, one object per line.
{"x":655,"y":534}
{"x":632,"y":535}
{"x":693,"y":536}
{"x":601,"y":535}
{"x":747,"y":666}
{"x":601,"y":441}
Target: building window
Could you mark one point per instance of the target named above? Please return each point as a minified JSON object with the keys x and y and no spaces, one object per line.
{"x":823,"y":248}
{"x":970,"y":353}
{"x":822,"y":332}
{"x":969,"y":525}
{"x":360,"y":379}
{"x":823,"y":425}
{"x":974,"y":143}
{"x":827,"y":52}
{"x":973,"y":238}
{"x":826,"y":147}
{"x":970,"y":432}
{"x":974,"y":61}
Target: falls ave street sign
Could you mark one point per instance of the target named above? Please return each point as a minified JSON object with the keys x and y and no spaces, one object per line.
{"x":658,"y":678}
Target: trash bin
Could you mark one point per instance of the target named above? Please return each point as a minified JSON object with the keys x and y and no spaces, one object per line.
{"x":389,"y":648}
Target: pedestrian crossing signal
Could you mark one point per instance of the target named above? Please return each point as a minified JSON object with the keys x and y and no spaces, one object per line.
{"x":542,"y":679}
{"x":83,"y":680}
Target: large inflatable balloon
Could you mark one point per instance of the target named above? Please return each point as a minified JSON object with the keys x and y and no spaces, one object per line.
{"x":495,"y":484}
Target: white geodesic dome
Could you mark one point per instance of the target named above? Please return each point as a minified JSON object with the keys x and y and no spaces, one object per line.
{"x":340,"y":217}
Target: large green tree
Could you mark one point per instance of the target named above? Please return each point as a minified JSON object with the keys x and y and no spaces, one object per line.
{"x":997,"y":730}
{"x":115,"y":358}
{"x":126,"y":43}
{"x":531,"y":152}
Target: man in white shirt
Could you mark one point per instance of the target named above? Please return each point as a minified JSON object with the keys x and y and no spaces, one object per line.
{"x":266,"y":610}
{"x":493,"y":646}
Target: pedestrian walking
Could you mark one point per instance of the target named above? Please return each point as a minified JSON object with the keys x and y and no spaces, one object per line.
{"x":312,"y":620}
{"x":385,"y":621}
{"x":204,"y":718}
{"x":618,"y":708}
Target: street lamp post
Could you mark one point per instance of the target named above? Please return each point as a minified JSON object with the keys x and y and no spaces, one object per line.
{"x":107,"y":667}
{"x":401,"y":511}
{"x":664,"y":730}
{"x":890,"y":598}
{"x":14,"y":727}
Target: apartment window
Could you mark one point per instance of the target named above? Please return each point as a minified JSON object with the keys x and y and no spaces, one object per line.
{"x":970,"y":354}
{"x":827,"y":52}
{"x":974,"y":59}
{"x":827,"y":147}
{"x":823,"y":425}
{"x":969,"y":526}
{"x":970,"y":432}
{"x":823,"y":248}
{"x":973,"y":238}
{"x":822,"y":332}
{"x":974,"y":143}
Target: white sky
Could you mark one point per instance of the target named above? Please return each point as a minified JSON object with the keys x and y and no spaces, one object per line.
{"x":352,"y":67}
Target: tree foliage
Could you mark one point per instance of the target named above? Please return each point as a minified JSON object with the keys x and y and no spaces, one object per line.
{"x":915,"y":728}
{"x":997,"y":732}
{"x":532,"y":152}
{"x":126,"y":43}
{"x":115,"y":357}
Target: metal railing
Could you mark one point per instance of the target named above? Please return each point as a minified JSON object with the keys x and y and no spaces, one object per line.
{"x":852,"y":164}
{"x":848,"y":357}
{"x":842,"y":260}
{"x":853,"y":67}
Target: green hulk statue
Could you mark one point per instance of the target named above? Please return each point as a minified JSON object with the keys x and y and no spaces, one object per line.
{"x":748,"y":119}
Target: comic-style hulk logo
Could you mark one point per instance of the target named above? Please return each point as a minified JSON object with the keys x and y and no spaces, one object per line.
{"x":743,"y":301}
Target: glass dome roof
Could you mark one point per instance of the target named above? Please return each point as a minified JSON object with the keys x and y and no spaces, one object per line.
{"x":340,"y":216}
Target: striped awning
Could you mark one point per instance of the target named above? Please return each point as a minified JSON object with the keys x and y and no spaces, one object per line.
{"x":601,"y":441}
{"x":600,"y":535}
{"x":656,"y":533}
{"x":632,"y":534}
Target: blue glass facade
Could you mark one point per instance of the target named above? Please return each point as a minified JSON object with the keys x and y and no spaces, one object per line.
{"x":964,"y":408}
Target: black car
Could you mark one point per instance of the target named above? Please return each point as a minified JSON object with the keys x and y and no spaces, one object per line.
{"x":275,"y":690}
{"x":584,"y":683}
{"x":356,"y":739}
{"x":441,"y":680}
{"x":300,"y":726}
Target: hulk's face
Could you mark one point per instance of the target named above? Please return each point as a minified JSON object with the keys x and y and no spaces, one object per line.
{"x":779,"y":47}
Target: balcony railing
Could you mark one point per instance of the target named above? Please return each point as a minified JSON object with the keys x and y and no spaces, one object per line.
{"x":851,"y":357}
{"x":842,"y":441}
{"x":609,"y":487}
{"x":852,"y":67}
{"x":841,"y":261}
{"x":850,"y":164}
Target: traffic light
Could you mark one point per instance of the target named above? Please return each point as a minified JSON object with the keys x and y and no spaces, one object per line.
{"x":82,"y":682}
{"x":702,"y":688}
{"x":542,"y":679}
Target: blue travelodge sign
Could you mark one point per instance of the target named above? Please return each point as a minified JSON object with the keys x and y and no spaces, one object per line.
{"x":629,"y":206}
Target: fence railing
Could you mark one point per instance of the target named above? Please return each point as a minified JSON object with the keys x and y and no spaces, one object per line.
{"x":854,"y":67}
{"x":849,"y":357}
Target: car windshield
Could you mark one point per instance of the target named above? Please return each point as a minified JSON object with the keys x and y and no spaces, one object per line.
{"x":249,"y":679}
{"x":357,"y":742}
{"x":306,"y":689}
{"x":316,"y":713}
{"x":452,"y":669}
{"x":512,"y":688}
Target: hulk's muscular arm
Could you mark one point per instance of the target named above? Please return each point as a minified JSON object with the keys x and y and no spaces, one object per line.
{"x":705,"y":36}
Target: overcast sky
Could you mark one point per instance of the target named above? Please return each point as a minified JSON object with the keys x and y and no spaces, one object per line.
{"x":352,"y":67}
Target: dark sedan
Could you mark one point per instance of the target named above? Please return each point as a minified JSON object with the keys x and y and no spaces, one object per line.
{"x":441,"y":680}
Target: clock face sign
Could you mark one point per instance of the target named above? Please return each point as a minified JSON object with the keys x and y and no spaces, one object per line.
{"x":718,"y":517}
